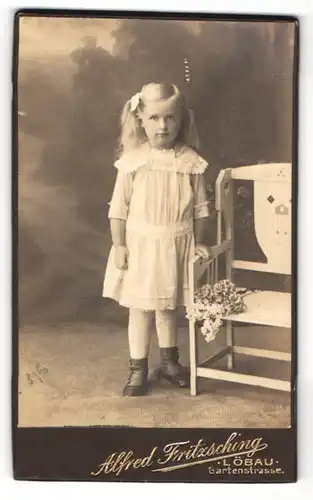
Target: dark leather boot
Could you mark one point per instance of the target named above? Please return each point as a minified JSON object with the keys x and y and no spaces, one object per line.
{"x":137,"y":383}
{"x":171,"y":370}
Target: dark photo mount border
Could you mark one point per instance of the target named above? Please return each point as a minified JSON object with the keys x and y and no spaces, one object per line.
{"x":73,"y":453}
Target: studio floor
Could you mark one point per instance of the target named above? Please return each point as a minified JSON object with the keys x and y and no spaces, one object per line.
{"x":73,"y":375}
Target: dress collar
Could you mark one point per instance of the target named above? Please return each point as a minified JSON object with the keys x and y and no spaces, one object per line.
{"x":182,"y":159}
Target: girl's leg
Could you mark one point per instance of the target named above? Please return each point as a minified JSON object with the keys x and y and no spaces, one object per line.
{"x":166,"y":326}
{"x":139,"y":331}
{"x":139,"y":327}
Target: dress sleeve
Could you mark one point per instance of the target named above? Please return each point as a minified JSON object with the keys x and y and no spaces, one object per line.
{"x":201,"y":201}
{"x":121,"y":196}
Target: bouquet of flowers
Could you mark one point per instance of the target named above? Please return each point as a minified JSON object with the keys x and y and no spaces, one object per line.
{"x":214,"y":302}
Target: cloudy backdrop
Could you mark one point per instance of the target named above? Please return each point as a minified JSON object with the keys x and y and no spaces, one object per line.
{"x":74,"y":76}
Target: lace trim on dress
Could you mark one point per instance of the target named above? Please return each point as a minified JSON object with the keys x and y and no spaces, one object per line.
{"x":186,"y":161}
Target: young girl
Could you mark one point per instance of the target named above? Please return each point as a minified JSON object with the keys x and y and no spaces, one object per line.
{"x":158,"y":217}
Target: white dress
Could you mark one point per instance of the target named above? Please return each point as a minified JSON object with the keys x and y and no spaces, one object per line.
{"x":159,"y":193}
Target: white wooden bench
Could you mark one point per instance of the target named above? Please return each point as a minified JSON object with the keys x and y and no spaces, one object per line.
{"x":272,"y":219}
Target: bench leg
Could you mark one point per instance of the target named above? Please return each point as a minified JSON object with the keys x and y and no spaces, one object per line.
{"x":193,"y":358}
{"x":230,"y":344}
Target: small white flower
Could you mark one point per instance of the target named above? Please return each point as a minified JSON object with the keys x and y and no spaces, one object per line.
{"x":214,"y":303}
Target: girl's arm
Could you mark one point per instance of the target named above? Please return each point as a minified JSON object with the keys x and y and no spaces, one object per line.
{"x":118,"y":232}
{"x":202,"y":221}
{"x":201,"y":227}
{"x":118,"y":215}
{"x":119,"y":204}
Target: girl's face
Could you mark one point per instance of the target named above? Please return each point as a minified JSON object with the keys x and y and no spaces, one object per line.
{"x":161,"y":121}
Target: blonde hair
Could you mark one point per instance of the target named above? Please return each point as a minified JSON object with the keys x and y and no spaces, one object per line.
{"x":132,"y":132}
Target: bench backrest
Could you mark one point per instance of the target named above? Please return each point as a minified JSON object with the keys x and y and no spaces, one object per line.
{"x":272,"y":213}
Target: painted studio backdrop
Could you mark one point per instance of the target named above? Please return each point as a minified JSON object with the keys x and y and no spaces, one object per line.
{"x":74,"y":76}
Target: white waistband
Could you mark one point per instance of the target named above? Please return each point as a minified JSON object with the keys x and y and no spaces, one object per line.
{"x":144,"y":228}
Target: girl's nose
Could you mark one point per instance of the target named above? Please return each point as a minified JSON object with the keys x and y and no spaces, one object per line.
{"x":162,"y":124}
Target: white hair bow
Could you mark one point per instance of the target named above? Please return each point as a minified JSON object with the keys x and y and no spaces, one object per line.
{"x":134,"y":102}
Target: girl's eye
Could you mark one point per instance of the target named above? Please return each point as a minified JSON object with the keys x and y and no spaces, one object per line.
{"x":154,"y":117}
{"x":171,"y":117}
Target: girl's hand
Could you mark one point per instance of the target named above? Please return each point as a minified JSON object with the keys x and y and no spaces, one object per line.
{"x":203,"y":251}
{"x":121,"y":257}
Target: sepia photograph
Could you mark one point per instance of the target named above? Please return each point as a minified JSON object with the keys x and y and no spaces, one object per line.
{"x":155,"y":166}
